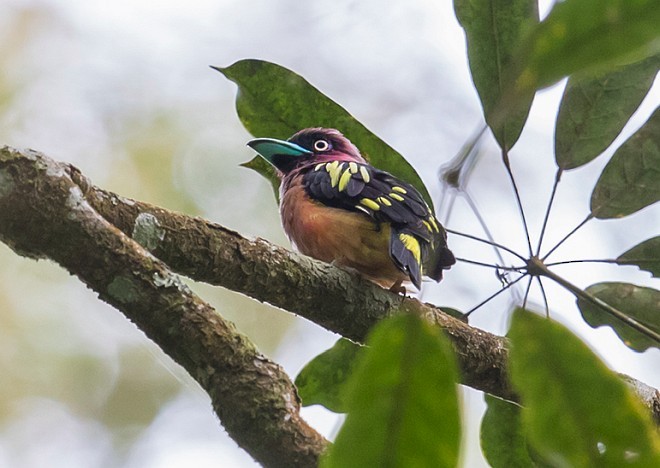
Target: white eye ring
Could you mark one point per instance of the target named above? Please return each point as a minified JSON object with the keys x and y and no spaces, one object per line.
{"x":321,"y":145}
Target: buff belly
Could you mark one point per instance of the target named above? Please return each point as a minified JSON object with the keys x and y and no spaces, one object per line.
{"x":339,"y":236}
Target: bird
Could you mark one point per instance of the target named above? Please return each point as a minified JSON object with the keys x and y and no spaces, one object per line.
{"x":337,"y":208}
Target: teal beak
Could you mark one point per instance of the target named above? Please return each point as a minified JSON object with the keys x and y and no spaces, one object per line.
{"x":281,"y":154}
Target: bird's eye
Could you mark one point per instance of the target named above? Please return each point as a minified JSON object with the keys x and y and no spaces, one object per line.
{"x":321,"y":145}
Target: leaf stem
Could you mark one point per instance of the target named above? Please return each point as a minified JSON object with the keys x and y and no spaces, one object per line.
{"x":493,"y":296}
{"x":586,"y":260}
{"x":473,"y":206}
{"x":565,"y":238}
{"x":489,"y":265}
{"x":529,"y":286}
{"x":478,"y":239}
{"x":545,"y":297}
{"x":507,"y":165}
{"x":547,"y":211}
{"x":543,"y":270}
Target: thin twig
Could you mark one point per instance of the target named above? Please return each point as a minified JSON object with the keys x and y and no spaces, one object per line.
{"x":507,"y":165}
{"x":482,"y":222}
{"x":497,"y":267}
{"x":547,"y":211}
{"x":602,"y":305}
{"x":478,"y":239}
{"x":573,"y":231}
{"x":545,"y":297}
{"x":493,"y":296}
{"x":588,"y":260}
{"x":529,"y":286}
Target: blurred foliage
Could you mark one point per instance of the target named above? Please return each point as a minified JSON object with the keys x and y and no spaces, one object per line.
{"x":646,"y":255}
{"x":594,"y":110}
{"x":565,"y":389}
{"x":403,"y":407}
{"x":493,"y":33}
{"x":637,"y":302}
{"x":275,"y":102}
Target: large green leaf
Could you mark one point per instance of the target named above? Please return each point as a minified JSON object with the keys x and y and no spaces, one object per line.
{"x":631,"y":179}
{"x":576,"y":411}
{"x":322,"y":380}
{"x":645,"y":255}
{"x":503,"y":441}
{"x":594,"y":110}
{"x":493,"y":30}
{"x":581,"y":36}
{"x":275,"y":102}
{"x":638,"y":302}
{"x":402,"y":401}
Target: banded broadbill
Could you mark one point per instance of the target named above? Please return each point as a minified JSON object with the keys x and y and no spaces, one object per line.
{"x":337,"y":208}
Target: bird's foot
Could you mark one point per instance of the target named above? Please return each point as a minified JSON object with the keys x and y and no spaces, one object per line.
{"x":398,"y":288}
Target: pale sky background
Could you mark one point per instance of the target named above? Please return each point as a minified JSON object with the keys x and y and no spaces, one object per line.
{"x":123,"y":91}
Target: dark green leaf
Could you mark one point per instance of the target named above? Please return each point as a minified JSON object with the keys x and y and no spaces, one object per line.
{"x":493,"y":30}
{"x":576,"y":411}
{"x":402,"y":401}
{"x":275,"y":102}
{"x":582,"y":36}
{"x":503,"y":442}
{"x":637,"y":302}
{"x":645,"y":255}
{"x":594,"y":110}
{"x":322,"y":380}
{"x":261,"y":166}
{"x":631,"y":180}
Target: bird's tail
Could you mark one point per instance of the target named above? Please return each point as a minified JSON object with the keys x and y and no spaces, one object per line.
{"x":439,"y":257}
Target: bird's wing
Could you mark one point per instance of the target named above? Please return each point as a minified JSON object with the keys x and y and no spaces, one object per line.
{"x":359,"y":187}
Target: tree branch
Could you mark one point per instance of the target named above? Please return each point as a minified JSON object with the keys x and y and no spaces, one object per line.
{"x":44,"y":214}
{"x":340,"y":301}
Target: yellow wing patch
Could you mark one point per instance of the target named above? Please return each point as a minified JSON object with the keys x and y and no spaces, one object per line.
{"x":365,"y":174}
{"x":345,"y":177}
{"x":369,"y":203}
{"x":334,"y":169}
{"x":412,"y":244}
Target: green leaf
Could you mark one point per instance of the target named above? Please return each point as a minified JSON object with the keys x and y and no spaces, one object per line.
{"x":576,"y":411}
{"x":593,"y":111}
{"x":645,"y":255}
{"x":631,"y":180}
{"x":261,"y":166}
{"x":503,"y":442}
{"x":582,"y":36}
{"x":402,"y":401}
{"x":638,"y":302}
{"x":322,"y":380}
{"x":493,"y":30}
{"x":275,"y":102}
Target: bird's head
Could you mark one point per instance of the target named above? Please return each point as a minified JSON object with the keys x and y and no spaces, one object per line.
{"x":306,"y":147}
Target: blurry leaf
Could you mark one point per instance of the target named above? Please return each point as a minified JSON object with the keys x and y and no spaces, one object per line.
{"x":493,"y":30}
{"x":576,"y":411}
{"x":402,"y":400}
{"x":594,"y":111}
{"x":261,"y":166}
{"x":322,"y":380}
{"x":503,"y":442}
{"x":275,"y":102}
{"x":581,"y":36}
{"x":640,"y":303}
{"x":645,"y":255}
{"x":631,"y":180}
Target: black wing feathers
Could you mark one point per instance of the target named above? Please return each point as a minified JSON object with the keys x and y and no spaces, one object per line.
{"x":416,"y":239}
